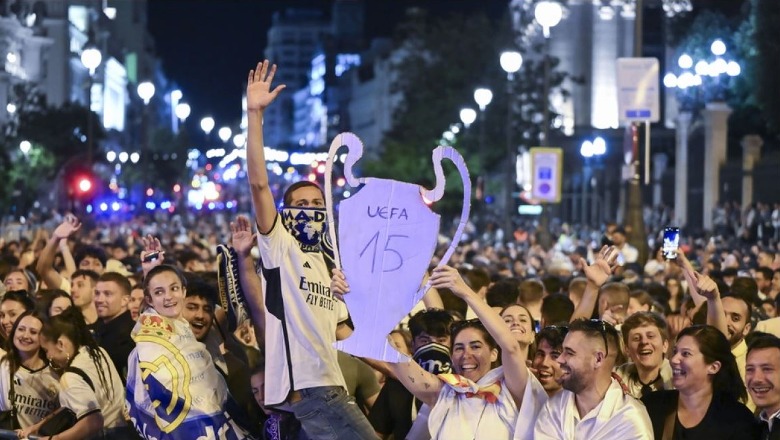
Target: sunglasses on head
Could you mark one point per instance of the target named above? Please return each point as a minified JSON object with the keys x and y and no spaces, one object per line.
{"x":459,"y":325}
{"x":602,"y":327}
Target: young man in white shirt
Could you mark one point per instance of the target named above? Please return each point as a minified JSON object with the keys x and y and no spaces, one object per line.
{"x":301,"y":317}
{"x":592,"y":405}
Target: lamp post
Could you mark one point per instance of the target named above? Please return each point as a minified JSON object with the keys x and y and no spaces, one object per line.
{"x":548,"y":14}
{"x":697,"y":80}
{"x":590,"y":150}
{"x":483,"y":97}
{"x":90,"y":58}
{"x":145,"y":92}
{"x":510,"y":61}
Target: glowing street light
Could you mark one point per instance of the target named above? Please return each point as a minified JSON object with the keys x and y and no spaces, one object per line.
{"x":207,"y":124}
{"x":548,"y":14}
{"x":224,"y":133}
{"x":25,"y":147}
{"x":483,"y":97}
{"x":146,"y":91}
{"x":91,"y":58}
{"x":182,"y":111}
{"x":468,"y":116}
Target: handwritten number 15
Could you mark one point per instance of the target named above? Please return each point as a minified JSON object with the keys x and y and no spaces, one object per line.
{"x":375,"y":241}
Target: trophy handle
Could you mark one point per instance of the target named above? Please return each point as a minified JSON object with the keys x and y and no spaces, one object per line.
{"x":440,"y":153}
{"x":355,"y":147}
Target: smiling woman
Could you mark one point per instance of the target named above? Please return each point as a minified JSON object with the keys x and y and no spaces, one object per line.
{"x":174,"y":389}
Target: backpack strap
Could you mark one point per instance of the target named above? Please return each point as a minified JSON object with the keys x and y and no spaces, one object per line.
{"x":81,"y":373}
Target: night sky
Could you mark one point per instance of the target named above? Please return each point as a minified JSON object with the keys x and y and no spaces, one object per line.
{"x":208,"y":46}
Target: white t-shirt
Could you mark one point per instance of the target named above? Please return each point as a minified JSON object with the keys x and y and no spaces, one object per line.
{"x":77,"y":395}
{"x":36,"y":393}
{"x":618,"y":416}
{"x":301,"y":316}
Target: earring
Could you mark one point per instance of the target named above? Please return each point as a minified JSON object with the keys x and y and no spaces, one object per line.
{"x":67,"y":358}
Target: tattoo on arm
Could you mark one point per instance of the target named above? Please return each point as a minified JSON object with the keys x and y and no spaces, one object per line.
{"x":411,"y":379}
{"x":427,"y":385}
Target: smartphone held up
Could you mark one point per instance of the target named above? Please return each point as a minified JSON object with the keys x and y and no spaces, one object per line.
{"x":671,"y":243}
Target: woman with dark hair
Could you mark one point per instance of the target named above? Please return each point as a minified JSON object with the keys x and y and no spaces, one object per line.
{"x":174,"y":391}
{"x":479,"y":401}
{"x":27,"y":384}
{"x":707,"y":401}
{"x":13,"y":304}
{"x":54,"y":301}
{"x":521,"y":325}
{"x":20,"y":279}
{"x":91,"y":386}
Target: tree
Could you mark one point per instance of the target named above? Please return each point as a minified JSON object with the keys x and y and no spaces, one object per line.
{"x":766,"y":43}
{"x":442,"y":61}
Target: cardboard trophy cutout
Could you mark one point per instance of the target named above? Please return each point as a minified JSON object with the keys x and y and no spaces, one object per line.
{"x":386,"y":238}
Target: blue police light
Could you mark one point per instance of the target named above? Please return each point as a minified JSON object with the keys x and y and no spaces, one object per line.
{"x":151,"y":206}
{"x":104,"y":206}
{"x":115,"y":206}
{"x":89,"y":209}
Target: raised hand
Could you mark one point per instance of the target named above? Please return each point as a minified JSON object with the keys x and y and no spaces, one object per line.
{"x":447,"y":277}
{"x":599,"y":272}
{"x":68,"y":226}
{"x":707,"y":286}
{"x":151,"y":245}
{"x":258,"y":90}
{"x":242,"y":238}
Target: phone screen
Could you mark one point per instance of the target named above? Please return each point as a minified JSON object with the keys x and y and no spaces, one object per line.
{"x":671,"y":243}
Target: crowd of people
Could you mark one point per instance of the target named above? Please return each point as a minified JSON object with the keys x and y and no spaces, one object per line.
{"x":207,"y":330}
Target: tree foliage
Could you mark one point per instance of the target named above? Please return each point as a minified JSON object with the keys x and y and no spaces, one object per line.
{"x":442,"y":60}
{"x":766,"y":41}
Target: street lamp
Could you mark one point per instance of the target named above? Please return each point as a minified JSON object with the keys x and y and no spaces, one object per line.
{"x":145,"y":92}
{"x":90,"y":58}
{"x":182,"y":111}
{"x":590,"y":150}
{"x":467,"y":116}
{"x":207,"y":124}
{"x":483,"y":97}
{"x":24,"y":147}
{"x":510,"y":61}
{"x":548,"y":14}
{"x":224,"y":133}
{"x":697,"y":82}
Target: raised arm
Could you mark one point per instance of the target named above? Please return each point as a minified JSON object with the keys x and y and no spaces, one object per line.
{"x":45,"y":266}
{"x":513,"y":356}
{"x":67,"y":258}
{"x":422,"y":384}
{"x":258,"y":96}
{"x":152,"y":248}
{"x":243,"y":240}
{"x":597,"y":273}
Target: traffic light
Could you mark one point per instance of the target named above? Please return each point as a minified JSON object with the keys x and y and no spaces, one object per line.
{"x":85,"y":185}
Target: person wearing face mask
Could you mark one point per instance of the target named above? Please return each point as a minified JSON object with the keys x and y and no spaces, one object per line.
{"x":646,"y":338}
{"x":300,"y":315}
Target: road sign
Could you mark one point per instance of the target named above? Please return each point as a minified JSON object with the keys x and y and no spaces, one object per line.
{"x":638,"y":89}
{"x":547,"y":169}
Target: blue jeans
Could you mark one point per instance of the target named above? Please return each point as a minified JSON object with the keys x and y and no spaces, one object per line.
{"x":328,"y":413}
